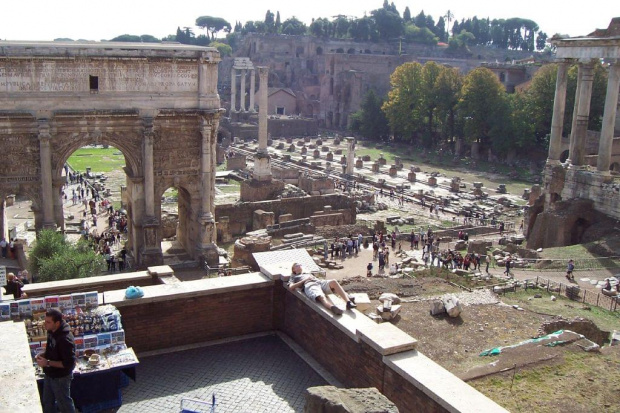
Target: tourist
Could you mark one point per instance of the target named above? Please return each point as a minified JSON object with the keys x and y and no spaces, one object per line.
{"x":14,"y":286}
{"x":4,"y":246}
{"x":57,"y":361}
{"x":508,"y":261}
{"x":317,"y":289}
{"x":569,"y":270}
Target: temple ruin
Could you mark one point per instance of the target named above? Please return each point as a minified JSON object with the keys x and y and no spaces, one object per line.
{"x":584,"y":189}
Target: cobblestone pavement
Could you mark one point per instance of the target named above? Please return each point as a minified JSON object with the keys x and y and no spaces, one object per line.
{"x":257,"y":375}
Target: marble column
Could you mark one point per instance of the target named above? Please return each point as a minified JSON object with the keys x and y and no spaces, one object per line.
{"x":47,"y":191}
{"x":573,"y":128}
{"x":609,"y":118}
{"x":262,"y":165}
{"x":233,"y":89}
{"x":149,"y":179}
{"x":559,"y":105}
{"x":350,"y":155}
{"x":263,"y":73}
{"x":252,"y":87}
{"x":583,"y":113}
{"x":242,"y":91}
{"x":207,"y":170}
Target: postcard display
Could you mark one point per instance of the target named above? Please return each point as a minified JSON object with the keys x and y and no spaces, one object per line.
{"x":96,"y":329}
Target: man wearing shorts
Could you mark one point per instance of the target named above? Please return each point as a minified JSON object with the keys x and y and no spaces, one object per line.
{"x":317,"y":289}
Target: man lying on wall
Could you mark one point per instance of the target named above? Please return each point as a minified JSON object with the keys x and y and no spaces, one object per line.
{"x":317,"y":289}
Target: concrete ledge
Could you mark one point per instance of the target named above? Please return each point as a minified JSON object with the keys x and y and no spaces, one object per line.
{"x":87,"y":284}
{"x":439,"y":384}
{"x":189,"y":289}
{"x":386,"y":338}
{"x":19,"y":392}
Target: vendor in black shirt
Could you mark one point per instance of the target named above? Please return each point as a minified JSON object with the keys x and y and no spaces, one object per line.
{"x":58,"y":362}
{"x":14,"y":286}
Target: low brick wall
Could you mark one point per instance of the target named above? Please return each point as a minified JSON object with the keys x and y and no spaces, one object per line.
{"x":195,"y":311}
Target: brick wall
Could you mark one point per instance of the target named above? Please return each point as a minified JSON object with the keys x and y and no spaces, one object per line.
{"x":187,"y":320}
{"x":353,"y":363}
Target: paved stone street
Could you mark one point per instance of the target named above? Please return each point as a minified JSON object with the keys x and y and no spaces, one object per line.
{"x":257,"y":375}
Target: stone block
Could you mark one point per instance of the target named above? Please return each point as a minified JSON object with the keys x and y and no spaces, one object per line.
{"x":411,"y":177}
{"x":338,"y":151}
{"x":319,"y":142}
{"x":285,"y":218}
{"x":382,"y":161}
{"x":359,"y":164}
{"x":388,"y":315}
{"x":453,"y":307}
{"x":362,"y":301}
{"x":291,"y":148}
{"x":375,"y":167}
{"x":330,"y":156}
{"x":324,"y":148}
{"x":330,"y":399}
{"x":432,"y":181}
{"x":393,"y":171}
{"x":366,"y":158}
{"x":304,"y":150}
{"x":316,"y":153}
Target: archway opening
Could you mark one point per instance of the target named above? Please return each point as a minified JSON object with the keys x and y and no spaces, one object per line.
{"x":175,"y":233}
{"x":18,"y":215}
{"x":579,"y":227}
{"x":94,"y":203}
{"x":564,"y":156}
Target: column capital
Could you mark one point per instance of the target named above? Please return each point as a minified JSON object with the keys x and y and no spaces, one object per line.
{"x":44,"y":130}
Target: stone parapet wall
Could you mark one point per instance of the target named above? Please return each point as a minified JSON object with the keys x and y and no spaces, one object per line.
{"x":99,"y":283}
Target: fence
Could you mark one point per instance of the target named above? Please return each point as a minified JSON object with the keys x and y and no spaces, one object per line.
{"x":572,"y":292}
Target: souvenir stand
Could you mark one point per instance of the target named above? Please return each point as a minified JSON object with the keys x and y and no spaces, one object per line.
{"x":104,"y":362}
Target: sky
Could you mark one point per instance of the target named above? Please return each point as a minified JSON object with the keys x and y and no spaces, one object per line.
{"x":82,"y":19}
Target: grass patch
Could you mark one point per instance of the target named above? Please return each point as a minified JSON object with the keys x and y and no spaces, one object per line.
{"x":231,"y":187}
{"x":557,"y":387}
{"x":97,"y":158}
{"x":604,"y":319}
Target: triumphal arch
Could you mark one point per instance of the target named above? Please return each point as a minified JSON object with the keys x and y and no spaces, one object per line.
{"x":157,"y":103}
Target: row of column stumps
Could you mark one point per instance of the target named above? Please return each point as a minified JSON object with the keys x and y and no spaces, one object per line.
{"x":581,"y":114}
{"x":243,"y":93}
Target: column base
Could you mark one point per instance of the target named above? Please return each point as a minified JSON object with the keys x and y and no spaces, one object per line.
{"x":208,"y":255}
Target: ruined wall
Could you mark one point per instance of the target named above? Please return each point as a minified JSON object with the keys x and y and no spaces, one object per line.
{"x":241,"y":215}
{"x":288,"y":127}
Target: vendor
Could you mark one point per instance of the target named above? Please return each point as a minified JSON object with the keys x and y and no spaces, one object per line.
{"x":14,"y":286}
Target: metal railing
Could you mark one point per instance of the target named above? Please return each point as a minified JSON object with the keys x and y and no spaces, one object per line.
{"x":572,"y":292}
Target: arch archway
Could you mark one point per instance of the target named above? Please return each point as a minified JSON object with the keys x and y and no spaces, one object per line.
{"x":564,"y":156}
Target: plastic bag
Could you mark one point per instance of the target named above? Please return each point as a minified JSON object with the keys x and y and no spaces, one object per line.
{"x":134,"y":292}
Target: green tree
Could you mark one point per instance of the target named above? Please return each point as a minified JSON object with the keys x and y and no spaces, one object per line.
{"x":53,"y":258}
{"x":370,"y":121}
{"x":126,"y":38}
{"x":422,"y":35}
{"x":223,"y":48}
{"x":388,"y":24}
{"x":430,"y":99}
{"x":482,"y":106}
{"x":541,"y":40}
{"x":403,"y":107}
{"x":407,"y":15}
{"x":278,"y":24}
{"x":270,"y":23}
{"x":448,"y":85}
{"x":213,"y":25}
{"x":541,"y":94}
{"x":293,"y":26}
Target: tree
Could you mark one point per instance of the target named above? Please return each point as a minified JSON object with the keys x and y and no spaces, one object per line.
{"x":449,"y":16}
{"x":448,"y":85}
{"x":541,"y":94}
{"x":270,"y":24}
{"x":482,"y":106}
{"x":370,"y":121}
{"x":430,"y":99}
{"x":293,"y":26}
{"x":422,"y":35}
{"x":420,"y":20}
{"x":53,"y":258}
{"x":213,"y":25}
{"x":389,"y":25}
{"x":541,"y":40}
{"x":223,"y":48}
{"x":407,"y":15}
{"x":278,"y":24}
{"x":126,"y":38}
{"x":403,"y":107}
{"x":440,"y":30}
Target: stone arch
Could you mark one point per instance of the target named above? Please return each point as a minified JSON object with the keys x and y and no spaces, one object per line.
{"x":188,"y":210}
{"x":615,"y":167}
{"x":130,"y":147}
